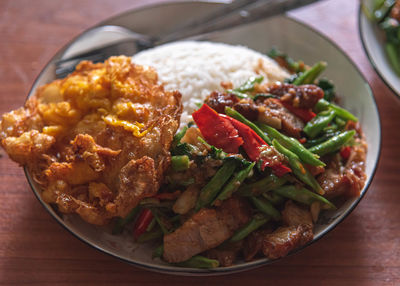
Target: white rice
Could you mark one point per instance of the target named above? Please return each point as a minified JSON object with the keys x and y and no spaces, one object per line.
{"x":198,"y":68}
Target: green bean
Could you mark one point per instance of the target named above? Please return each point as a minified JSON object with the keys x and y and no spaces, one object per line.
{"x":322,"y":104}
{"x":318,"y":123}
{"x":382,"y":10}
{"x":310,"y":75}
{"x":333,"y":144}
{"x":234,"y":183}
{"x":180,"y":163}
{"x":209,"y":191}
{"x":266,"y":207}
{"x":340,"y":122}
{"x":275,"y":199}
{"x":293,"y":145}
{"x":264,"y":185}
{"x":199,"y":261}
{"x":151,"y":225}
{"x":150,"y":235}
{"x":233,"y":113}
{"x":302,"y":195}
{"x":158,"y":252}
{"x":298,"y":169}
{"x":393,"y":56}
{"x":159,"y":221}
{"x":256,"y":222}
{"x":119,"y":226}
{"x":238,"y":93}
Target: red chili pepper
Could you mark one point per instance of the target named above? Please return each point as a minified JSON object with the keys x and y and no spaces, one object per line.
{"x":167,"y":196}
{"x":142,"y":222}
{"x":303,"y":140}
{"x":345,"y":152}
{"x":217,"y":131}
{"x":302,"y":113}
{"x":252,"y":143}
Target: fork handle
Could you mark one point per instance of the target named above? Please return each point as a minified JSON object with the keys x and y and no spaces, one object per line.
{"x":237,"y":13}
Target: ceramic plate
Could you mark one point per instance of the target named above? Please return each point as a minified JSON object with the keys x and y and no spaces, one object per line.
{"x":373,"y":40}
{"x":296,"y":39}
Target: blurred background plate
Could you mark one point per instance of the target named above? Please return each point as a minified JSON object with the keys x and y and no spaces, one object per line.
{"x":298,"y":40}
{"x":373,"y":40}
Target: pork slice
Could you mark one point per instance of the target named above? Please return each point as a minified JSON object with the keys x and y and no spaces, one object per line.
{"x":303,"y":96}
{"x":332,"y":180}
{"x":285,"y":239}
{"x":218,"y":100}
{"x":291,"y":124}
{"x":294,"y":214}
{"x":205,"y":230}
{"x":254,"y":242}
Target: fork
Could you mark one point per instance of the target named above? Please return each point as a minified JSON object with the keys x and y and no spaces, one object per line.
{"x":230,"y":15}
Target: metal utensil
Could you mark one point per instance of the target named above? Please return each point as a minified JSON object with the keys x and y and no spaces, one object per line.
{"x":238,"y":12}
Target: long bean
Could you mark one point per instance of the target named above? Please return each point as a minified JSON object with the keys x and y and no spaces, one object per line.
{"x":151,"y":235}
{"x":180,"y":162}
{"x":234,"y":183}
{"x":199,"y":261}
{"x":158,"y":252}
{"x":256,"y":222}
{"x":264,"y":185}
{"x":333,"y":144}
{"x":119,"y":226}
{"x":310,"y":75}
{"x":233,"y":113}
{"x":322,"y":104}
{"x":212,"y":188}
{"x":266,"y":207}
{"x":298,"y":169}
{"x":302,"y":195}
{"x":293,"y":145}
{"x":319,"y":122}
{"x":274,"y":198}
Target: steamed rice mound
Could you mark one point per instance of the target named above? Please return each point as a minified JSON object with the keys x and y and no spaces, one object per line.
{"x":198,"y":68}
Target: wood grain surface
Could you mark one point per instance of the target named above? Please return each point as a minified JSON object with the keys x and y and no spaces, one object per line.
{"x":363,"y":250}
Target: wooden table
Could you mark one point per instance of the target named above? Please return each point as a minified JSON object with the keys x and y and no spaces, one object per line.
{"x":34,"y":249}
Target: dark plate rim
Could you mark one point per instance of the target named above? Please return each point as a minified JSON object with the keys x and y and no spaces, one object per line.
{"x":221,"y":270}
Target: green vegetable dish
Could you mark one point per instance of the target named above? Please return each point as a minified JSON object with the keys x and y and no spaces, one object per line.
{"x":251,"y":174}
{"x":386,"y":13}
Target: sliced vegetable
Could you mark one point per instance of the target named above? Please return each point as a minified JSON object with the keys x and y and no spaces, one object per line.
{"x":333,"y":144}
{"x":266,"y":207}
{"x":234,"y":184}
{"x":298,"y":168}
{"x":293,"y":145}
{"x":274,"y":198}
{"x":318,"y":123}
{"x":302,"y":195}
{"x":256,"y":222}
{"x":150,"y":235}
{"x":310,"y":75}
{"x":180,"y":163}
{"x":345,"y":152}
{"x":209,"y":191}
{"x":142,"y":222}
{"x":199,"y":261}
{"x":250,"y":84}
{"x":322,"y":104}
{"x":120,"y":224}
{"x":217,"y":131}
{"x":178,"y":136}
